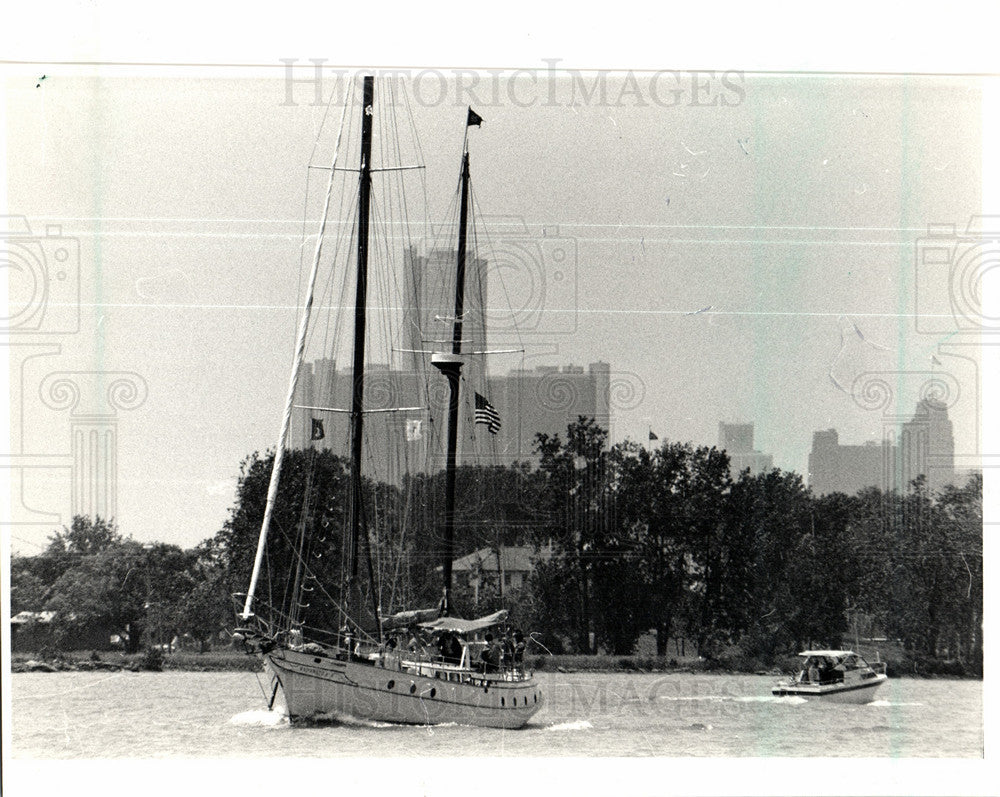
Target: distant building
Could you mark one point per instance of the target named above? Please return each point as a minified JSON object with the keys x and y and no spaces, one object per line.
{"x":34,"y":631}
{"x":429,"y":306}
{"x":546,"y":400}
{"x":836,"y":468}
{"x":736,"y":439}
{"x":926,"y":447}
{"x":509,"y":565}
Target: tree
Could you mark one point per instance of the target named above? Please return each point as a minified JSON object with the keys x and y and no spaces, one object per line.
{"x":767,"y":518}
{"x":105,"y":589}
{"x":84,"y":537}
{"x":573,"y":482}
{"x":27,"y":591}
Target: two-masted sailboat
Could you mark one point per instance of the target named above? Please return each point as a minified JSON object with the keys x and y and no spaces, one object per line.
{"x":363,"y":668}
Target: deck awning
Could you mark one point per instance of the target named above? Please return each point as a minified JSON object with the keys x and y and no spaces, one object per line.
{"x":408,"y":618}
{"x":461,"y":626}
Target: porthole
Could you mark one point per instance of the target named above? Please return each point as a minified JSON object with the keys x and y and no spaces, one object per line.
{"x":536,"y":698}
{"x":317,"y":661}
{"x":413,"y":688}
{"x":390,"y":685}
{"x":515,"y":701}
{"x":502,"y":703}
{"x":434,"y":692}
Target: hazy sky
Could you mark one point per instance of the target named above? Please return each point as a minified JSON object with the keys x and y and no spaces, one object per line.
{"x":788,"y":212}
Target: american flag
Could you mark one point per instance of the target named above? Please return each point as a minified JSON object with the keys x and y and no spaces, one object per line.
{"x":487,"y":413}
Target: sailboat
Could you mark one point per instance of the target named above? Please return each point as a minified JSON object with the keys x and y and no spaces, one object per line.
{"x":454,"y":670}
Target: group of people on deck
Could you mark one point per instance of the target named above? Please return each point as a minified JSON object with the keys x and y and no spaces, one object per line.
{"x":501,"y":653}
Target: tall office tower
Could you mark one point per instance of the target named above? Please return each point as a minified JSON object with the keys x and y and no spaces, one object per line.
{"x":927,"y":446}
{"x":736,"y":439}
{"x":546,"y":400}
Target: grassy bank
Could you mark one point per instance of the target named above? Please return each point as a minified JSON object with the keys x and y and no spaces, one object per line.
{"x":210,"y":661}
{"x":232,"y":660}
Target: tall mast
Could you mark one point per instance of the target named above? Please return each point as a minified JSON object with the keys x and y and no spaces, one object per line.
{"x":360,"y":298}
{"x":451,"y":367}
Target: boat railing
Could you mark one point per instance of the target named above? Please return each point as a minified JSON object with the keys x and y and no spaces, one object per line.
{"x":437,"y":667}
{"x":878,"y":667}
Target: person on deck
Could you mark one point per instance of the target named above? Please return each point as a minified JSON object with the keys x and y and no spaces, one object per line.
{"x":491,"y":655}
{"x":519,"y":647}
{"x":507,"y":650}
{"x":453,"y":650}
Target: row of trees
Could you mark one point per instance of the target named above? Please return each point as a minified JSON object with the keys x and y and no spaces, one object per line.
{"x":629,"y":540}
{"x":94,"y":578}
{"x":667,"y":540}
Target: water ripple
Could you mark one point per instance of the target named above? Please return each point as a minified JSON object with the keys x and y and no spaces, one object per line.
{"x":578,"y":725}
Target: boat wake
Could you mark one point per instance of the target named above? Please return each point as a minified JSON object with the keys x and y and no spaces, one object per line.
{"x":790,"y":700}
{"x":261,"y":718}
{"x":891,"y":703}
{"x":576,"y":725}
{"x":345,"y":720}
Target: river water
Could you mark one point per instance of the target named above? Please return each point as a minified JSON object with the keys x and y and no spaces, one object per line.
{"x":222,"y":715}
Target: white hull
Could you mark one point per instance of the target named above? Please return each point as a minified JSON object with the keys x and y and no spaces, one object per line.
{"x":856,"y":693}
{"x":319,"y":686}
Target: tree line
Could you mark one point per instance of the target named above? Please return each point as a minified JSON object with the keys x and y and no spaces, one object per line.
{"x":627,"y":540}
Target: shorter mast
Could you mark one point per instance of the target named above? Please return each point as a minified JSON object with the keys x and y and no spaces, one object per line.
{"x":451,"y":366}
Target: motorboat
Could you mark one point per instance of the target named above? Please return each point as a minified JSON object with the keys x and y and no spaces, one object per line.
{"x":836,"y":676}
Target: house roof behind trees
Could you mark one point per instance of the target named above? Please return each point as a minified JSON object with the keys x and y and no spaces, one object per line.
{"x":512,"y":559}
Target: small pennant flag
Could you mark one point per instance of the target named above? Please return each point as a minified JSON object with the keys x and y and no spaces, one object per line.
{"x":414,"y":430}
{"x":317,"y":430}
{"x":487,"y":413}
{"x":652,"y":435}
{"x":474,"y":119}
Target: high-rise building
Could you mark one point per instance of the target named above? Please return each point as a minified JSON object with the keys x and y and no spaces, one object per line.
{"x":926,"y":447}
{"x":836,"y":468}
{"x":546,"y":400}
{"x":736,"y":439}
{"x":429,"y":306}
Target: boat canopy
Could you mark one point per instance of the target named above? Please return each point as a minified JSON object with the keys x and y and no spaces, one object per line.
{"x":408,"y":618}
{"x":461,"y":626}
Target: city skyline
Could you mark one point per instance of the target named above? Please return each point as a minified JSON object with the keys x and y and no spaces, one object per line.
{"x":752,"y":269}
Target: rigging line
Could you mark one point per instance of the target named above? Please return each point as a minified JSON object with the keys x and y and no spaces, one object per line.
{"x":305,"y":201}
{"x":329,"y":286}
{"x":312,"y":574}
{"x":312,"y":154}
{"x":286,"y":416}
{"x":399,"y":205}
{"x":340,"y":275}
{"x":491,"y":253}
{"x":415,"y":138}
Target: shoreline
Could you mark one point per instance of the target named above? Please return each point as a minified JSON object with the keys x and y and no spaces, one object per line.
{"x":234,"y":661}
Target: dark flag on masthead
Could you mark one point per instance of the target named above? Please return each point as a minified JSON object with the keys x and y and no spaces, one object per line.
{"x":487,"y":413}
{"x":317,"y":430}
{"x":652,"y":435}
{"x":474,"y":119}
